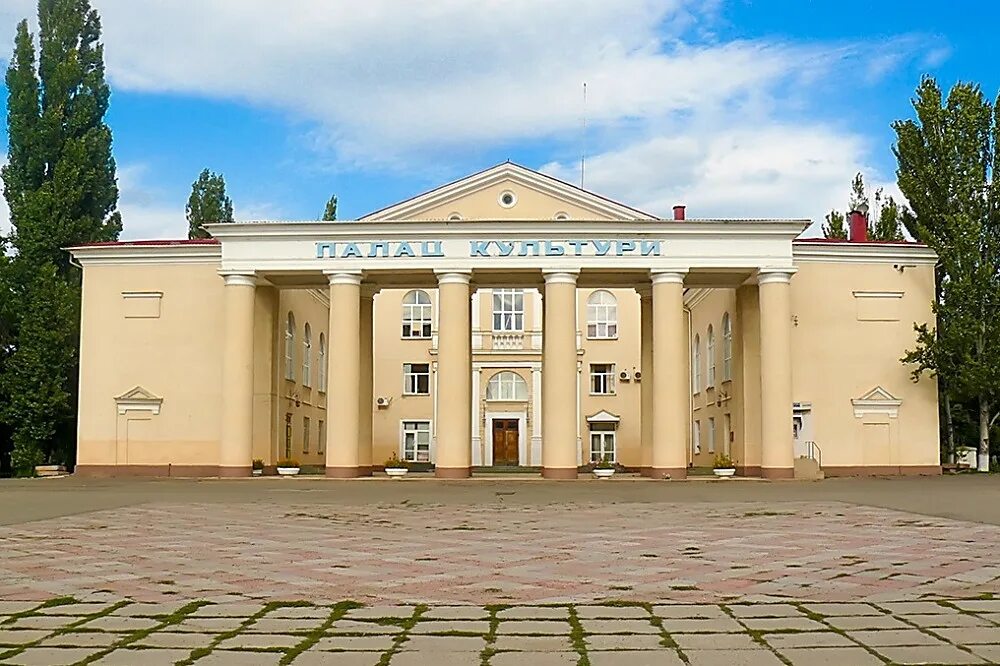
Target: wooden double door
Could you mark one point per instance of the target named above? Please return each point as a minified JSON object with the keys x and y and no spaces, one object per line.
{"x":505,"y":442}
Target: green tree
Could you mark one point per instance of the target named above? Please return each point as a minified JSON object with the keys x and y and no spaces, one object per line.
{"x":946,"y":160}
{"x":330,"y":212}
{"x":208,"y":204}
{"x":61,"y":189}
{"x":889,"y":216}
{"x":834,"y":227}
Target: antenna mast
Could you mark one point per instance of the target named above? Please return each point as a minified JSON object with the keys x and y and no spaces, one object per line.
{"x":583,"y":147}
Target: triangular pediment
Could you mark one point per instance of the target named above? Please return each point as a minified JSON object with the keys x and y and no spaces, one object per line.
{"x":603,"y":416}
{"x":138,"y":399}
{"x":137,"y":394}
{"x":508,"y":192}
{"x":878,"y":394}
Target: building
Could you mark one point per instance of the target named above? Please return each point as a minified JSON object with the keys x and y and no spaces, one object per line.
{"x":505,"y":319}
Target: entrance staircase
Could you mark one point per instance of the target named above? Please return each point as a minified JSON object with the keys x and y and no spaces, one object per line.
{"x":809,"y":467}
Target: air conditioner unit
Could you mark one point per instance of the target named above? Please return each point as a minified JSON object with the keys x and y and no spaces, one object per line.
{"x":624,"y":375}
{"x":383,"y":401}
{"x":637,"y":375}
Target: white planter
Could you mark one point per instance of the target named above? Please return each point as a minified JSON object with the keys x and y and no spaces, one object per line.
{"x":396,"y":472}
{"x":604,"y":473}
{"x":288,"y":471}
{"x":724,"y":472}
{"x":258,"y":472}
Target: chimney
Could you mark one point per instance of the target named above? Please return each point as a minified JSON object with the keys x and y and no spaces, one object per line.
{"x":678,"y":212}
{"x":858,"y":232}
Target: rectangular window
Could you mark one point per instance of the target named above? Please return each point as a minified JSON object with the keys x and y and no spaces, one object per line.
{"x":305,"y":434}
{"x":416,"y":379}
{"x":696,"y":438}
{"x":321,"y":437}
{"x":711,"y":435}
{"x":602,"y":444}
{"x":602,"y":378}
{"x":727,"y":432}
{"x":508,"y":310}
{"x":288,"y":435}
{"x":417,"y":441}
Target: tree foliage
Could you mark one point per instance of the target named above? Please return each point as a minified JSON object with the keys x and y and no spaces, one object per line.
{"x":946,"y":160}
{"x":208,"y":204}
{"x":60,"y":186}
{"x":886,"y":219}
{"x":330,"y":212}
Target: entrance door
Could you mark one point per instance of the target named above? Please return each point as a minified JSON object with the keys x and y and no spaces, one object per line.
{"x":505,"y":441}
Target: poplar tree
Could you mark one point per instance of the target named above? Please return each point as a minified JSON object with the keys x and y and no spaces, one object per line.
{"x":330,"y":212}
{"x":208,"y":204}
{"x":889,"y":216}
{"x":61,"y":189}
{"x":946,"y":160}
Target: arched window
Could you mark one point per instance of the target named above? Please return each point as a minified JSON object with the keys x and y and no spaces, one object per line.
{"x":290,"y":348}
{"x":727,"y":348}
{"x":416,"y":314}
{"x":602,"y":315}
{"x":322,"y":365}
{"x":696,"y":365}
{"x":506,"y":386}
{"x":307,"y":356}
{"x":710,"y":349}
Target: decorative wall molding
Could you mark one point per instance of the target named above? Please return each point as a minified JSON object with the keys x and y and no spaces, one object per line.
{"x":876,"y":401}
{"x":138,"y":399}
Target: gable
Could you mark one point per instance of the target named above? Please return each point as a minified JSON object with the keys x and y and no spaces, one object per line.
{"x":508,"y":192}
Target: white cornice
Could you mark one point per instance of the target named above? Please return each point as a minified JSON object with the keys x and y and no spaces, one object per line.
{"x":91,"y":255}
{"x":865,"y":253}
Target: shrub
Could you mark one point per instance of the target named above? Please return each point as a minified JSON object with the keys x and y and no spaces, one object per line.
{"x":604,"y":463}
{"x":723,"y":461}
{"x":258,"y":463}
{"x":288,"y":462}
{"x":395,"y":462}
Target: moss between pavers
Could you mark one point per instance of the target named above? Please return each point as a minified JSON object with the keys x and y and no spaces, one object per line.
{"x":69,"y":628}
{"x":577,"y":637}
{"x":491,"y":635}
{"x":404,"y":635}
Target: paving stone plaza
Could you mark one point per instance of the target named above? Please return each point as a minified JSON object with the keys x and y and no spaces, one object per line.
{"x":376,"y":573}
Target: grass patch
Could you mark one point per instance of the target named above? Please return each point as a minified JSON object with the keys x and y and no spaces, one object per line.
{"x":311,"y":638}
{"x":684,"y":588}
{"x":576,"y":637}
{"x":491,"y":635}
{"x":765,"y":514}
{"x":407,"y":624}
{"x":69,"y":628}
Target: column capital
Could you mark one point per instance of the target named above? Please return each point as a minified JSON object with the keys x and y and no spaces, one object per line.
{"x":453,"y":276}
{"x":645,"y":291}
{"x":771,"y":275}
{"x":675,"y":276}
{"x":344,"y":277}
{"x":560,"y":276}
{"x":239,"y":279}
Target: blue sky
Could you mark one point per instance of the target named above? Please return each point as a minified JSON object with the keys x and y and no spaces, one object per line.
{"x":742,"y":108}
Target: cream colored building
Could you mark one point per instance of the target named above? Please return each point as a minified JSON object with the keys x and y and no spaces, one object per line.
{"x":506,"y":319}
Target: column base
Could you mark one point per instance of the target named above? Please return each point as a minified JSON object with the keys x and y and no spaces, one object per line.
{"x":748,"y":470}
{"x":234,"y":472}
{"x":777,"y":472}
{"x":453,"y":472}
{"x":366,"y":470}
{"x":559,"y":473}
{"x":645,"y":471}
{"x":668,"y":472}
{"x":343,"y":472}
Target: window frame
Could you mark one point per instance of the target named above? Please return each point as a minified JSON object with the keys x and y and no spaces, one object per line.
{"x":605,"y":379}
{"x":711,"y":434}
{"x":307,"y":356}
{"x":710,"y":357}
{"x":727,"y":348}
{"x":696,"y":437}
{"x":289,"y":443}
{"x":417,"y":313}
{"x":321,"y":375}
{"x":290,"y":346}
{"x":320,"y":436}
{"x":603,"y":436}
{"x":411,"y":379}
{"x":696,"y":364}
{"x":516,"y":382}
{"x":403,"y":431}
{"x":507,"y":318}
{"x":306,"y":427}
{"x":602,"y":315}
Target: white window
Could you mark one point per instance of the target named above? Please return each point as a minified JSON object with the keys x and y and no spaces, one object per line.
{"x":416,"y":379}
{"x":710,"y":350}
{"x":508,"y":310}
{"x":602,"y":315}
{"x":322,"y":363}
{"x":290,"y":348}
{"x":307,"y":356}
{"x":696,"y":437}
{"x":602,"y":378}
{"x":506,"y":386}
{"x":727,"y":348}
{"x":696,"y":365}
{"x":602,"y":442}
{"x":321,"y":437}
{"x":417,"y":441}
{"x":417,"y":314}
{"x":305,"y":434}
{"x":711,"y":435}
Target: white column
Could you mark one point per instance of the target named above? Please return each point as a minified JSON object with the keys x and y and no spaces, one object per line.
{"x":776,"y":374}
{"x":536,"y":416}
{"x":454,"y":445}
{"x":559,"y":378}
{"x":671,"y":417}
{"x":236,"y":443}
{"x":343,"y":428}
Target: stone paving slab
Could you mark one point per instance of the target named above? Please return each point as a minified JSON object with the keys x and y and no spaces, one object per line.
{"x":438,"y":554}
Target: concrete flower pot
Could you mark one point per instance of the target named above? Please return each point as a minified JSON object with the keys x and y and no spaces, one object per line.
{"x":257,"y":472}
{"x":724,"y":472}
{"x":396,"y":472}
{"x":288,"y":471}
{"x":604,"y":473}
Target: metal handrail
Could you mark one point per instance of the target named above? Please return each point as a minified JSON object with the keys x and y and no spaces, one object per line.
{"x":815,"y":453}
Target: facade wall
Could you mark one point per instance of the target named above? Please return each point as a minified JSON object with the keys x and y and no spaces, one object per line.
{"x":158,"y":329}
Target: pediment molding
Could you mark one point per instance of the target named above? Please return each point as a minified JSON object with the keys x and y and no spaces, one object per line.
{"x":876,"y":401}
{"x":604,"y":416}
{"x":138,"y":399}
{"x":601,"y":207}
